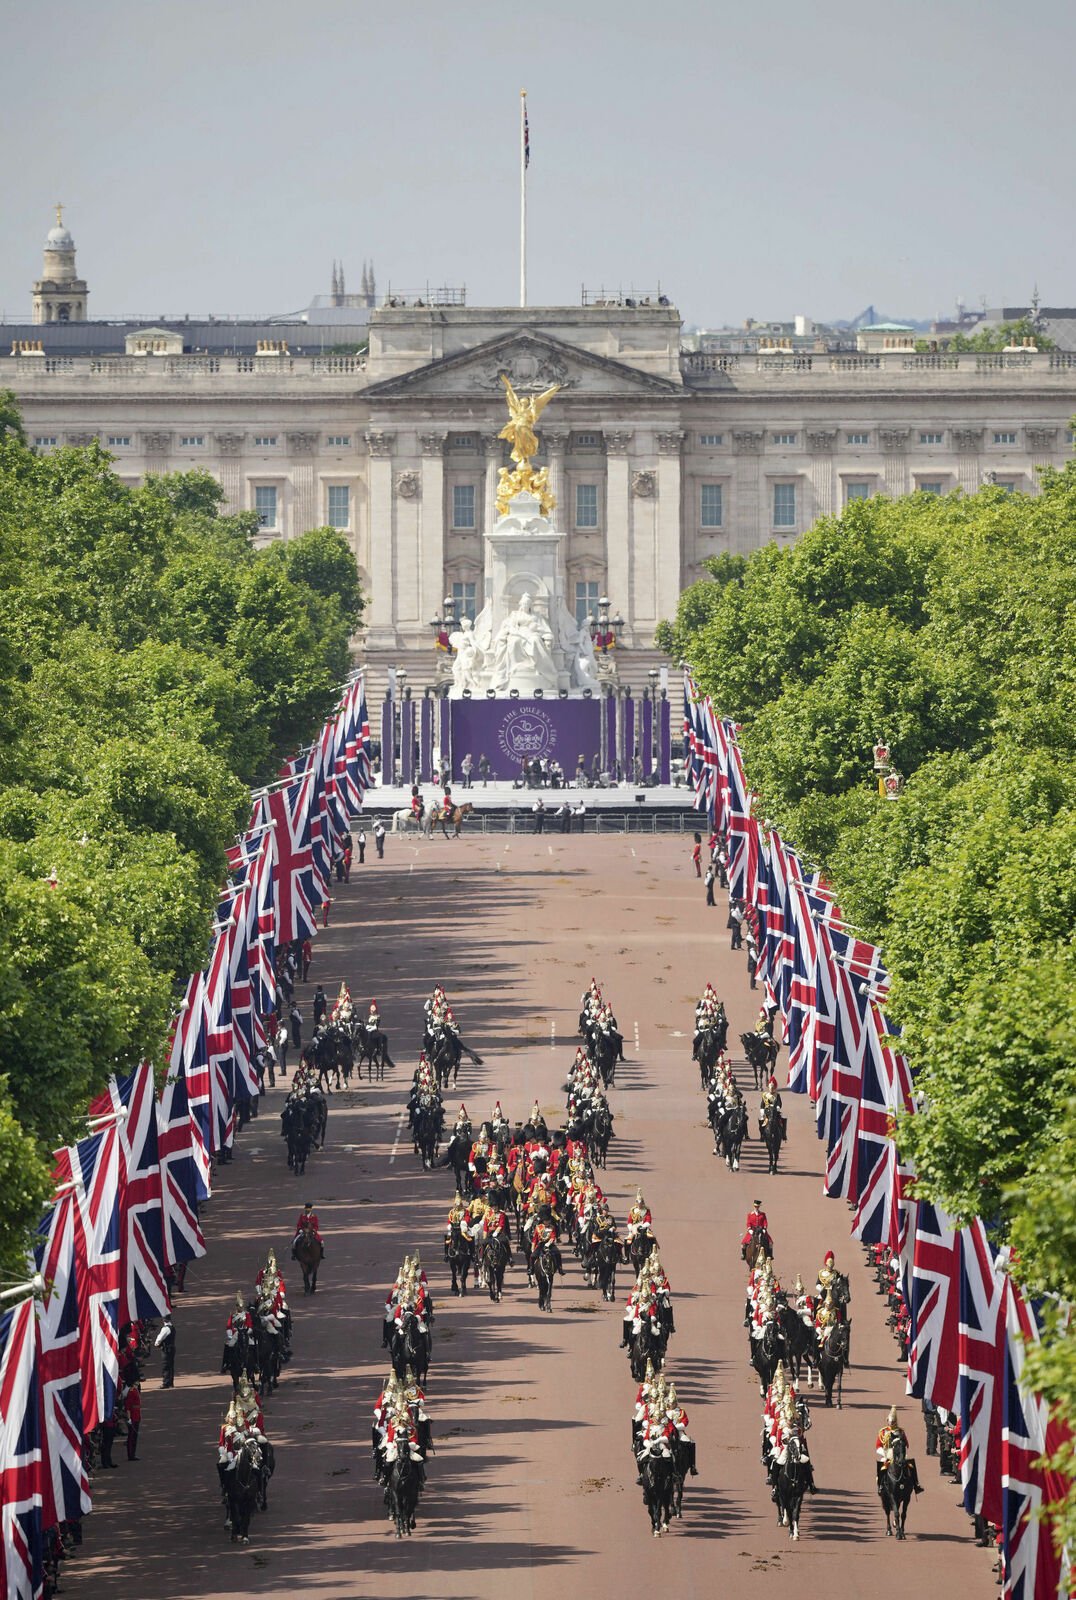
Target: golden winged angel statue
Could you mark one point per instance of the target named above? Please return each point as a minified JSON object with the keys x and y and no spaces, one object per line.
{"x":523,"y":413}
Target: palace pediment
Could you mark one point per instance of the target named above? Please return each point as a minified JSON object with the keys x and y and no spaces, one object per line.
{"x":531,"y":362}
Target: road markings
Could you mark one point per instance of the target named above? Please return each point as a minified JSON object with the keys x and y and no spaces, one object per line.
{"x":549,"y":847}
{"x":399,"y":1130}
{"x":552,"y":1035}
{"x":633,"y":849}
{"x":636,"y":1038}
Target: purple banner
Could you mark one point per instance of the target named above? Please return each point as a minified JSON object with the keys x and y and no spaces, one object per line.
{"x":509,"y":732}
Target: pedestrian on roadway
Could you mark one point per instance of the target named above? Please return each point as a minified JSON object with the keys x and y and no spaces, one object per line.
{"x":734,"y":924}
{"x":379,"y":839}
{"x":581,"y":813}
{"x":710,"y":901}
{"x":132,"y":1406}
{"x":696,"y":855}
{"x":564,"y":812}
{"x":295,"y":1018}
{"x":539,"y":815}
{"x":306,"y":950}
{"x":283,"y":1039}
{"x":361,"y":843}
{"x":349,"y":848}
{"x":752,"y":960}
{"x":165,"y":1342}
{"x":109,"y":1429}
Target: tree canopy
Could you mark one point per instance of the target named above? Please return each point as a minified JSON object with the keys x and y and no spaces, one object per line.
{"x":947,"y":628}
{"x":153,"y":666}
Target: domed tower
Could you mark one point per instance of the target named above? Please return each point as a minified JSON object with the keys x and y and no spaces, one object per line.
{"x":60,"y":295}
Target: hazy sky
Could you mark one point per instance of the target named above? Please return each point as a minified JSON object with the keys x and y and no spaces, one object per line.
{"x":760,"y":159}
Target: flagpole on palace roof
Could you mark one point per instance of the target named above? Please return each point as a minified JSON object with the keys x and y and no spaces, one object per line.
{"x":524,"y":160}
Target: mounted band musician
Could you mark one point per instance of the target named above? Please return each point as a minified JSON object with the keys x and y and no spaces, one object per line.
{"x":756,"y":1239}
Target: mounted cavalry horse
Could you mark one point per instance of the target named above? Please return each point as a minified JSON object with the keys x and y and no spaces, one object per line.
{"x":761,"y":1052}
{"x":308,"y":1252}
{"x":406,"y":821}
{"x":454,"y":818}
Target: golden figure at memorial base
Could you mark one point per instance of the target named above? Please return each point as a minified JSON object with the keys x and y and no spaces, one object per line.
{"x":524,"y":412}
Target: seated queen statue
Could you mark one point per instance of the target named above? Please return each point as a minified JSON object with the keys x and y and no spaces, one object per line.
{"x":523,"y":652}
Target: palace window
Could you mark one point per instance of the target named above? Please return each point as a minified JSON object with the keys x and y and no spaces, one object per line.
{"x":587,"y":441}
{"x":192,"y":441}
{"x":466,"y":598}
{"x":930,"y":486}
{"x":463,"y":505}
{"x":265,"y":504}
{"x":932,"y":438}
{"x":339,"y":441}
{"x":710,"y":441}
{"x":857,"y":438}
{"x":784,"y":505}
{"x":1004,"y":438}
{"x":339,"y":505}
{"x":711,"y":507}
{"x":586,"y":505}
{"x":265,"y":441}
{"x":586,"y":601}
{"x":784,"y":438}
{"x":461,"y":441}
{"x":46,"y":441}
{"x":856,"y":491}
{"x":119,"y":441}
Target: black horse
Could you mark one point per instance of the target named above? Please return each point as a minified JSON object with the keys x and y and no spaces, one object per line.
{"x":895,"y":1485}
{"x":730,"y":1134}
{"x":428,"y":1123}
{"x":459,"y":1257}
{"x":773,"y":1134}
{"x":656,"y":1471}
{"x":832,"y":1360}
{"x":496,"y":1254}
{"x":239,"y":1358}
{"x":641,"y":1246}
{"x":761,"y":1052}
{"x":648,"y":1344}
{"x":801,"y":1343}
{"x":544,"y":1269}
{"x":792,"y":1480}
{"x":403,"y":1485}
{"x":242,"y":1488}
{"x":372,"y":1046}
{"x":766,"y":1352}
{"x":607,"y":1256}
{"x":410,"y":1347}
{"x":708,"y":1045}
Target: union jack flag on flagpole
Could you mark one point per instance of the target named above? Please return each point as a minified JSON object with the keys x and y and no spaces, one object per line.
{"x":183,"y":1240}
{"x":66,"y":1487}
{"x":22,"y":1469}
{"x":981,"y":1354}
{"x":190,"y":1059}
{"x":1033,"y":1569}
{"x":261,"y":950}
{"x":220,"y":1045}
{"x":296,"y":896}
{"x":143,"y":1288}
{"x":933,"y":1365}
{"x":91,"y":1167}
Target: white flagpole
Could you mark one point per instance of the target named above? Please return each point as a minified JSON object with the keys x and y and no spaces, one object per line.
{"x":522,"y":198}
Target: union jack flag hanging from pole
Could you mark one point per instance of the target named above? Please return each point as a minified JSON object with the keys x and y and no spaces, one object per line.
{"x":22,"y":1470}
{"x":143,"y":1289}
{"x":66,"y":1487}
{"x":92,"y":1168}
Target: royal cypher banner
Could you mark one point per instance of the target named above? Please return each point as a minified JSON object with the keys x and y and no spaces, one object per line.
{"x":509,"y":732}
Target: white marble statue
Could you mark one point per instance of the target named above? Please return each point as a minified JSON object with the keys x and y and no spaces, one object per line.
{"x":584,"y":661}
{"x":469,"y":666}
{"x":523,"y":652}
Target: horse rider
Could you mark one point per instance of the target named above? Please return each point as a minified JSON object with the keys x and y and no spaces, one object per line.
{"x":495,"y":1226}
{"x":602,"y":1225}
{"x":342,"y":1010}
{"x":677,"y":1419}
{"x":458,"y":1217}
{"x":771,"y":1100}
{"x":825,"y":1317}
{"x":883,"y":1450}
{"x":248,"y":1404}
{"x":642,"y":1307}
{"x":757,"y":1218}
{"x":373,"y":1019}
{"x":401,"y":1433}
{"x":385,"y":1404}
{"x":308,"y":1218}
{"x":789,"y":1428}
{"x":499,"y":1122}
{"x":239,"y":1321}
{"x":661,"y":1289}
{"x":544,"y":1237}
{"x":827,"y":1282}
{"x":638,"y":1217}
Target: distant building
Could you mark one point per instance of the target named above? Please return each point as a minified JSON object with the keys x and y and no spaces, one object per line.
{"x":383,"y":420}
{"x":60,"y":295}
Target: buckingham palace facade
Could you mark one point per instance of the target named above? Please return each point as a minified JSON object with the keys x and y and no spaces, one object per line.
{"x":658,"y":457}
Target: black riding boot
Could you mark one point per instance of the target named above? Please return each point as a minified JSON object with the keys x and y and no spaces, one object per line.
{"x":916,"y":1485}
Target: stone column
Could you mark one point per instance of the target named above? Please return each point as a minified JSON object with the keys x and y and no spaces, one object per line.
{"x":617,"y":527}
{"x":306,"y":511}
{"x":821,"y":445}
{"x":229,"y":449}
{"x":407,"y":740}
{"x":750,"y":532}
{"x":425,"y":739}
{"x":381,"y":628}
{"x":669,"y":562}
{"x":431,"y":577}
{"x":556,"y":442}
{"x":491,"y":448}
{"x":665,"y":738}
{"x":968,"y":442}
{"x":648,"y":735}
{"x":388,"y":741}
{"x":894,"y":442}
